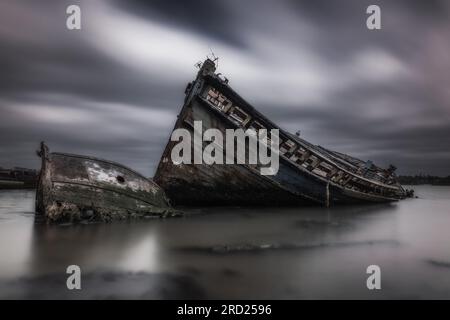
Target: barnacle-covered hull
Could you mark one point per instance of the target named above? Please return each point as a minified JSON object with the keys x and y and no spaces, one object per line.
{"x":75,"y":188}
{"x":307,"y":174}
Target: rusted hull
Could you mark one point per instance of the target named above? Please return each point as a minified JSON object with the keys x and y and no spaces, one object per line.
{"x":74,"y":188}
{"x":306,"y":175}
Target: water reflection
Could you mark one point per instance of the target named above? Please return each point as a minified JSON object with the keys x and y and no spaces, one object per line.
{"x":288,"y":253}
{"x":122,"y":246}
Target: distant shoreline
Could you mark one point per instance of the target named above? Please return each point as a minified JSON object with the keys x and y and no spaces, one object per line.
{"x":20,"y":186}
{"x":18,"y":178}
{"x":424,"y":180}
{"x":16,"y":185}
{"x":13,"y":179}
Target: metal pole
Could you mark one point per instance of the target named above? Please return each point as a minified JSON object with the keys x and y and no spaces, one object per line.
{"x":328,"y":194}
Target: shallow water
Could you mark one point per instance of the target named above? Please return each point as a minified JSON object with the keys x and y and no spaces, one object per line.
{"x":259,"y":253}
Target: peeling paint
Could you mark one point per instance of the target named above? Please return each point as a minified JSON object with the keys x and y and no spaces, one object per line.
{"x":75,"y":188}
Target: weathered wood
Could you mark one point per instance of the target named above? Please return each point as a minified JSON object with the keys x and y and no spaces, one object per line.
{"x":76,"y":188}
{"x":211,"y":100}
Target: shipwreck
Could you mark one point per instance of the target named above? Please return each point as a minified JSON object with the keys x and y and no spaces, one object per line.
{"x":307,"y":174}
{"x":76,"y":188}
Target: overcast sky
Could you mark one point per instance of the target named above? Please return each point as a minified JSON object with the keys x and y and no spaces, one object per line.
{"x":114,"y":88}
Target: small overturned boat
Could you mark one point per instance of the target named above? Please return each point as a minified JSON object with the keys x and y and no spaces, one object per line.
{"x":307,"y":174}
{"x":76,"y":188}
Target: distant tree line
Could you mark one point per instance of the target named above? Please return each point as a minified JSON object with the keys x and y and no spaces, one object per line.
{"x":18,"y":178}
{"x":425,"y":179}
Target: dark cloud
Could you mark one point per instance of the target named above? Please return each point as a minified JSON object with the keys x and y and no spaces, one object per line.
{"x":114,"y":88}
{"x":212,"y":18}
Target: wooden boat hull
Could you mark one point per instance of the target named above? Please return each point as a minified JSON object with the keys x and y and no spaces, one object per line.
{"x":237,"y":184}
{"x":74,"y":188}
{"x":296,"y":182}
